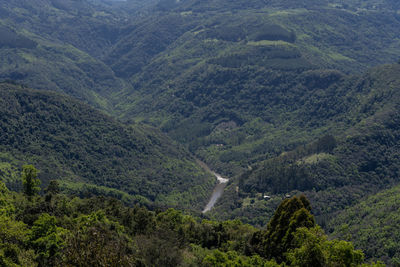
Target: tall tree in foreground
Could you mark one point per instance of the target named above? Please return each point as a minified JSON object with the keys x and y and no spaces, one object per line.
{"x":291,"y":214}
{"x":29,"y":180}
{"x":294,"y":239}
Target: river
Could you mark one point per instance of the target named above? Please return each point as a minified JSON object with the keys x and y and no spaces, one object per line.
{"x":218,"y":189}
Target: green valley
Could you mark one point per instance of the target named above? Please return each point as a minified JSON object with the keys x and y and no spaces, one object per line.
{"x":95,"y":154}
{"x":242,"y":79}
{"x":337,"y":170}
{"x":119,"y":101}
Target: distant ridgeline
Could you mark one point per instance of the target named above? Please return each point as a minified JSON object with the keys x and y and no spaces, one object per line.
{"x":93,"y":153}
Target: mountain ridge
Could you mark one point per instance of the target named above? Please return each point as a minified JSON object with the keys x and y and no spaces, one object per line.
{"x":71,"y":140}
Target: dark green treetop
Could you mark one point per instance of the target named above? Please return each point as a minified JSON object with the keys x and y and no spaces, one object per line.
{"x":29,"y":180}
{"x":291,"y":214}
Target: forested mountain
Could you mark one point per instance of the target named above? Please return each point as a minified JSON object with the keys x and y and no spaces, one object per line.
{"x":335,"y":171}
{"x":49,"y":45}
{"x":246,"y":75}
{"x":283,"y":97}
{"x":372,"y":225}
{"x":93,"y":153}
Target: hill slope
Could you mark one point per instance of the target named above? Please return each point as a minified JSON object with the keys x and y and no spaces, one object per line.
{"x":56,"y":45}
{"x":70,"y":140}
{"x":372,"y":225}
{"x":242,"y":75}
{"x":338,"y":170}
{"x":173,"y":64}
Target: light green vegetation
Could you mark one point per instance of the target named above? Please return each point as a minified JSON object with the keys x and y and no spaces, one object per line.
{"x":372,"y":225}
{"x":61,"y":230}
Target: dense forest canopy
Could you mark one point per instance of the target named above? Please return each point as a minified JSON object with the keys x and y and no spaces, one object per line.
{"x":57,"y":230}
{"x":92,"y":152}
{"x":115,"y":102}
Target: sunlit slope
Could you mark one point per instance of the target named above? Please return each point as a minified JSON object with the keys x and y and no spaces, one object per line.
{"x":372,"y":225}
{"x":249,"y":79}
{"x":339,"y":168}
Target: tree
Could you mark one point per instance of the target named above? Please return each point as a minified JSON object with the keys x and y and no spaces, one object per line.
{"x":13,"y":239}
{"x":314,"y":249}
{"x":53,"y":188}
{"x":6,"y":208}
{"x":291,"y":214}
{"x":218,"y":258}
{"x":98,"y":241}
{"x":310,"y":249}
{"x":29,"y":180}
{"x":47,"y":239}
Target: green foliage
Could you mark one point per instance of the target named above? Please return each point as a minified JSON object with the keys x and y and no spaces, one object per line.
{"x":219,"y":68}
{"x":310,"y":250}
{"x":102,"y":231}
{"x":6,"y":207}
{"x":13,"y":40}
{"x":372,"y":225}
{"x":205,"y":66}
{"x":47,"y":239}
{"x":315,"y":250}
{"x":231,"y":258}
{"x":97,"y":241}
{"x":29,"y":180}
{"x":14,"y":235}
{"x":197,"y":67}
{"x":239,"y":83}
{"x":59,"y":59}
{"x":357,"y":162}
{"x":10,"y":171}
{"x":290,"y":215}
{"x":67,"y":139}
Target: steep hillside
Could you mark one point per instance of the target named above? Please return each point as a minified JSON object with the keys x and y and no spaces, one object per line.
{"x":62,"y":69}
{"x":70,"y":140}
{"x":250,"y":79}
{"x":334,"y":171}
{"x":372,"y":225}
{"x":172,"y":63}
{"x":56,"y":45}
{"x":282,"y":97}
{"x":238,"y":84}
{"x":86,"y":25}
